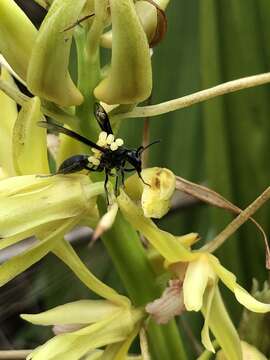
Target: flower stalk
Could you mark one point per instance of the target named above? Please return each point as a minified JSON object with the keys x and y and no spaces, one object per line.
{"x":132,"y":265}
{"x":237,"y":222}
{"x":197,"y":97}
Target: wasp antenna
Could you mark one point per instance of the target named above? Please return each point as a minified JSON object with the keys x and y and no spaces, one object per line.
{"x":78,"y":22}
{"x":141,"y":149}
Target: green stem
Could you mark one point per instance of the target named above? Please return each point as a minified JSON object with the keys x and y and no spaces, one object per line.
{"x":88,"y":75}
{"x":122,"y":241}
{"x":87,"y":44}
{"x":197,"y":97}
{"x":128,"y":255}
{"x":237,"y":222}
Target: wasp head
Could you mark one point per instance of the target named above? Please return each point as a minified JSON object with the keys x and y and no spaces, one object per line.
{"x":134,"y":158}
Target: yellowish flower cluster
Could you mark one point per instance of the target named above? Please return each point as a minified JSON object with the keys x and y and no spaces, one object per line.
{"x":106,"y":141}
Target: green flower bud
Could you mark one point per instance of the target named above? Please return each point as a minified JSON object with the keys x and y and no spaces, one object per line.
{"x":48,"y":75}
{"x":17,"y":36}
{"x":155,"y":199}
{"x":130,"y":76}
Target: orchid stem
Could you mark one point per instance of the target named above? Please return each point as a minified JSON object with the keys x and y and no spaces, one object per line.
{"x":237,"y":222}
{"x":197,"y":97}
{"x":14,"y":354}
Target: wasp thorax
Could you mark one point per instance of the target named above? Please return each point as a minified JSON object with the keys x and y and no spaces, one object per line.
{"x":106,"y":141}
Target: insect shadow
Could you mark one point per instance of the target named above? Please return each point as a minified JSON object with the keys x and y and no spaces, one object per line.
{"x":109,"y":154}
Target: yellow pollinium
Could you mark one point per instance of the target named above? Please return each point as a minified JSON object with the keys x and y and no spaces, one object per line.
{"x":106,"y":141}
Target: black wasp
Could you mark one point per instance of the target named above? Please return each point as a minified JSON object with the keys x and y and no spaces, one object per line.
{"x":108,"y":153}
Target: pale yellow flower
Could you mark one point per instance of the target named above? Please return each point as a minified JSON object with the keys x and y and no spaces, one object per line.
{"x":98,"y":322}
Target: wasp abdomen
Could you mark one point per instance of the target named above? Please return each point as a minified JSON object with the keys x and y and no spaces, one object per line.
{"x":73,"y":164}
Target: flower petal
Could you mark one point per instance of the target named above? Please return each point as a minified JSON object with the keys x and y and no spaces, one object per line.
{"x":54,"y":198}
{"x":66,"y":253}
{"x":223,"y":328}
{"x":70,"y":346}
{"x":147,"y":13}
{"x":198,"y":274}
{"x":119,"y":351}
{"x":36,"y":231}
{"x":208,"y":299}
{"x":8,"y":117}
{"x":169,"y":305}
{"x":227,"y":277}
{"x":30,"y":141}
{"x":156,"y":197}
{"x":165,"y":243}
{"x":249,"y":301}
{"x":24,"y":260}
{"x":77,"y":312}
{"x":241,"y":294}
{"x":249,"y":353}
{"x":106,"y":221}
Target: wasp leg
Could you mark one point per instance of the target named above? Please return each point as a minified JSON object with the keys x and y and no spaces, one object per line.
{"x":122,"y":170}
{"x":91,"y":168}
{"x":116,"y":192}
{"x":129,"y":169}
{"x":138,"y":172}
{"x":45,"y":176}
{"x":140,"y":176}
{"x":105,"y":186}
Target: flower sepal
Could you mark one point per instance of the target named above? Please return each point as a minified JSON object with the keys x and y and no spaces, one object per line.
{"x":102,"y":324}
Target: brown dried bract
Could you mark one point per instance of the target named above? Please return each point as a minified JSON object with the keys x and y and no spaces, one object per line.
{"x":162,"y":25}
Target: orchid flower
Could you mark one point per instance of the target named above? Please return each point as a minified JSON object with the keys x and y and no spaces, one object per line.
{"x":200,"y":276}
{"x":84,"y":326}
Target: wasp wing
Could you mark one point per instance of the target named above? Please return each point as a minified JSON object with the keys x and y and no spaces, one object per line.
{"x":60,"y":129}
{"x":102,"y":118}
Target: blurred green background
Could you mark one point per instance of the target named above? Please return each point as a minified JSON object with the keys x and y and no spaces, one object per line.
{"x":223,"y":143}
